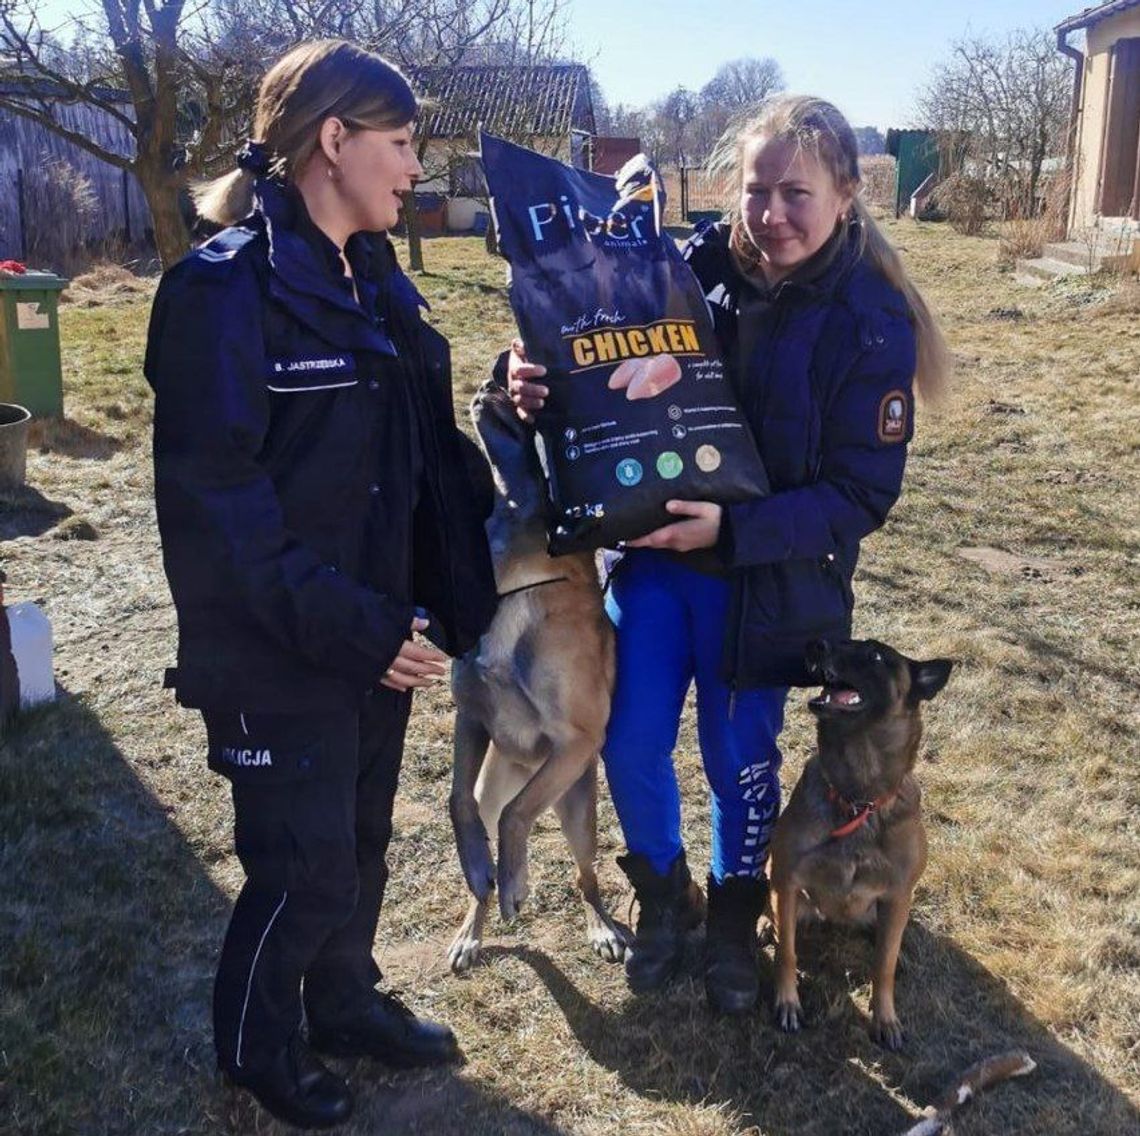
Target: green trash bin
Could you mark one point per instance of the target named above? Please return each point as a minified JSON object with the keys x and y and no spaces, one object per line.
{"x":30,"y":370}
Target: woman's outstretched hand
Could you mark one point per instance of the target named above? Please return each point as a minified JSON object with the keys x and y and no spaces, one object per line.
{"x":699,"y":528}
{"x":527,"y":395}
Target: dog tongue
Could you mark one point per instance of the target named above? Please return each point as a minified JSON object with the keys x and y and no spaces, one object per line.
{"x":845,"y":697}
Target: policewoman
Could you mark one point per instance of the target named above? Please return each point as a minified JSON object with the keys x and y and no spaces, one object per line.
{"x":825,"y":338}
{"x":316,"y":512}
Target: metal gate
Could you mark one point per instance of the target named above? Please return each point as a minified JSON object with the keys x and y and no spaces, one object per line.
{"x":702,"y":195}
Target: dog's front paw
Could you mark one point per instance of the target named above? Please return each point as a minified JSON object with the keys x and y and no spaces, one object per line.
{"x":608,"y":941}
{"x":463,"y":953}
{"x":887,"y":1031}
{"x":513,"y":890}
{"x":790,"y":1014}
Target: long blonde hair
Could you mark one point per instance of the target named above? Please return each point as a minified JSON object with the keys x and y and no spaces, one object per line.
{"x":819,"y":127}
{"x":320,"y":79}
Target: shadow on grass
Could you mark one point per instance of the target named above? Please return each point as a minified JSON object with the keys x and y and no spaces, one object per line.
{"x":72,"y":440}
{"x":831,"y":1078}
{"x":109,"y":929}
{"x":27,"y":512}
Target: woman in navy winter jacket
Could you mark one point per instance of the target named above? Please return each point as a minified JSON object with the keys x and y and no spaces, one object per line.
{"x":824,"y":337}
{"x":313,"y":502}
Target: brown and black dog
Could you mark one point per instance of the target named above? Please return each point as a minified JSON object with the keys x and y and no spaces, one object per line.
{"x":532,"y":700}
{"x":850,"y":846}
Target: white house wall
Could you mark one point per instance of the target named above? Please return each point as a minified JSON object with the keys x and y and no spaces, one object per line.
{"x":1094,"y":109}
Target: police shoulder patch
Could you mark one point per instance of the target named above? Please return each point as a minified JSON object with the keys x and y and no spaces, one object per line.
{"x":224,"y":246}
{"x":894,"y":410}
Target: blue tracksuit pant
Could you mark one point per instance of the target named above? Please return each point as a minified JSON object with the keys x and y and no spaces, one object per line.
{"x":670,"y":624}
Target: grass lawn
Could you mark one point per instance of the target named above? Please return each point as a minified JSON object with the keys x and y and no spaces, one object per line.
{"x":1014,"y":549}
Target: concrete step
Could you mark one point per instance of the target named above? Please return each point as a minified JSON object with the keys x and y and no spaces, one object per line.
{"x":1107,"y":253}
{"x":1049,"y":268}
{"x":1072,"y":252}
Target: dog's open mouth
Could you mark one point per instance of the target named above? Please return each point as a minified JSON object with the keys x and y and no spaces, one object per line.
{"x":844,"y":699}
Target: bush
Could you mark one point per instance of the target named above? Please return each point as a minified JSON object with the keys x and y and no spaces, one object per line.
{"x":878,"y":174}
{"x":64,"y":217}
{"x":1025,"y":239}
{"x":965,"y":201}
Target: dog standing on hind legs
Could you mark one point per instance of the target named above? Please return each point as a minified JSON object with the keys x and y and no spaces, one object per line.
{"x":532,"y":700}
{"x":851,"y":846}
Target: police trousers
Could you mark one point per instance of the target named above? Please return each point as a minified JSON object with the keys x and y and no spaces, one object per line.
{"x":313,"y":797}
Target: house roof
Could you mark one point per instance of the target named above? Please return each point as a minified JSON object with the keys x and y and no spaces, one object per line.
{"x":1095,"y":14}
{"x":543,"y":100}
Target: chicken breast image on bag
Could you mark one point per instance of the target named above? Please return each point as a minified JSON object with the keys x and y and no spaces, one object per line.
{"x":645,"y":378}
{"x":640,"y":409}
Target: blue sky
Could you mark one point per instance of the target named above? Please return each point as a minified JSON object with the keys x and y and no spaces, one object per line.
{"x":870,"y":58}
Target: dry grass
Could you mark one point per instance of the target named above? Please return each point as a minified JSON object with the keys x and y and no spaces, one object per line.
{"x":117,"y":870}
{"x":105,"y":284}
{"x":1025,"y":238}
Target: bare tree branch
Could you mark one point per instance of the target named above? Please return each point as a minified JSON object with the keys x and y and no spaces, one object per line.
{"x":1010,"y":100}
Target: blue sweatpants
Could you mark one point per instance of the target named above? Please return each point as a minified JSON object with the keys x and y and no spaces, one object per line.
{"x":670,"y":625}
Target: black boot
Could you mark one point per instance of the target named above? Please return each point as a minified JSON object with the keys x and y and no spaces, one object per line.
{"x":732,"y":982}
{"x":297,"y":1088}
{"x":669,"y":906}
{"x":385,"y":1029}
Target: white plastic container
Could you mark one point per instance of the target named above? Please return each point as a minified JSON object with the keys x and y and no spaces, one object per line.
{"x":32,"y":648}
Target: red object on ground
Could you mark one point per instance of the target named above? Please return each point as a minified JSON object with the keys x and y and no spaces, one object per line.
{"x":14,"y":267}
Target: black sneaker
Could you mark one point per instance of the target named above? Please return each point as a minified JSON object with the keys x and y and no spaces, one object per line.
{"x":386,"y":1030}
{"x":296,"y":1087}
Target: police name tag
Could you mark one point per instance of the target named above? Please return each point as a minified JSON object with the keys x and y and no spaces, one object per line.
{"x":313,"y":372}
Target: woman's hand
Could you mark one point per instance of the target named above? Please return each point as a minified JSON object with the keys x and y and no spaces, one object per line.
{"x":699,"y":529}
{"x":528,"y":396}
{"x":417,"y":664}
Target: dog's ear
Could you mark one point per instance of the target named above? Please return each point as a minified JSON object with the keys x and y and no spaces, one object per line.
{"x":929,"y":677}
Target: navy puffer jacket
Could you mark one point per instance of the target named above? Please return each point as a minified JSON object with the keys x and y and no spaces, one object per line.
{"x":823,"y":371}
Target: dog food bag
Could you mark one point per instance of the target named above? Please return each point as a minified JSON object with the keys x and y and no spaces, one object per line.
{"x":640,"y":409}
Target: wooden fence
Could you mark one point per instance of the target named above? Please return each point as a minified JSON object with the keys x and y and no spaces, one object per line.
{"x":61,"y":207}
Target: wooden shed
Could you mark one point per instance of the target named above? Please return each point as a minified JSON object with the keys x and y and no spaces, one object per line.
{"x":59,"y":203}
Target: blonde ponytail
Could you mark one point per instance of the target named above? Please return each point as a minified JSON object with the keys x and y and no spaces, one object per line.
{"x":932,"y":375}
{"x":225,"y":200}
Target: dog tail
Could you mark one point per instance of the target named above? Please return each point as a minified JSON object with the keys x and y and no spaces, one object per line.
{"x":990,"y":1071}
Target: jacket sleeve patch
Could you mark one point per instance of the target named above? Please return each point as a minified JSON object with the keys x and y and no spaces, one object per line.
{"x":894,"y":410}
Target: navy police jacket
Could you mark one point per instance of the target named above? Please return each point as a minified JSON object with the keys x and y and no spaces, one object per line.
{"x":286,"y":415}
{"x":823,"y":369}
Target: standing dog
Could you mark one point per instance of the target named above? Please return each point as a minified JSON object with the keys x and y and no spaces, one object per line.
{"x":851,"y":843}
{"x":532,"y":699}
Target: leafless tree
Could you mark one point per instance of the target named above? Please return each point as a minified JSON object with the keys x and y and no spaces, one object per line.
{"x":189,"y":69}
{"x":623,"y":121}
{"x":870,"y":140}
{"x":743,"y":84}
{"x":683,"y":127}
{"x":669,"y":122}
{"x":139,"y":47}
{"x":1010,"y":100}
{"x":736,"y":90}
